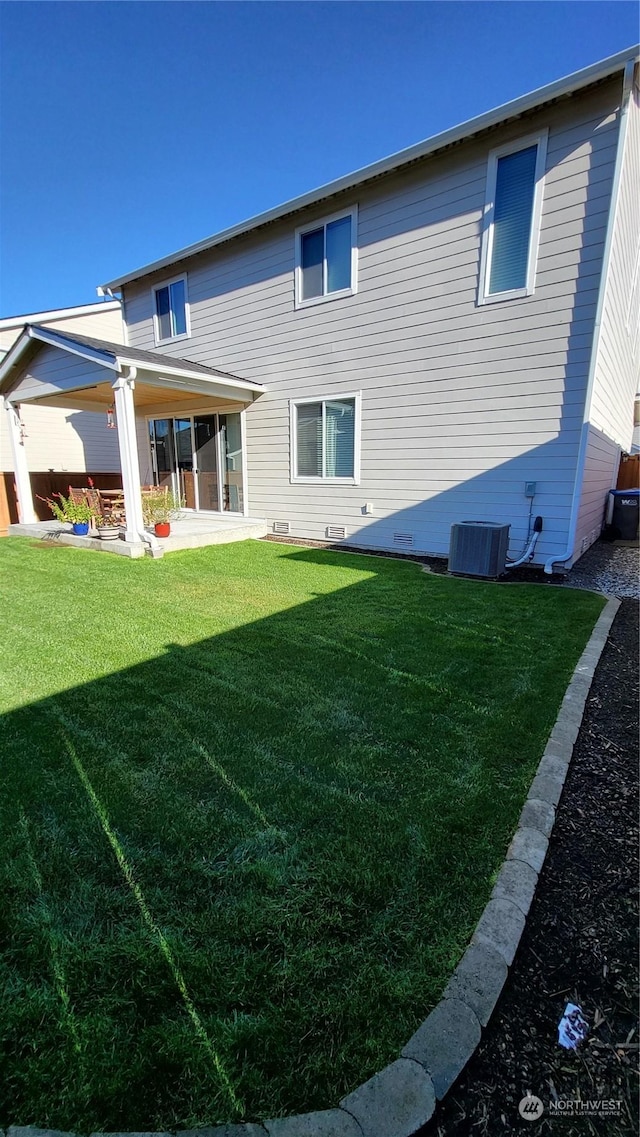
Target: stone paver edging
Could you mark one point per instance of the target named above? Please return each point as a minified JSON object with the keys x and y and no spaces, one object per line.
{"x":401,"y":1098}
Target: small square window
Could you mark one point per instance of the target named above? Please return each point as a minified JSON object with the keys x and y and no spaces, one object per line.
{"x":326,"y":260}
{"x":171,"y":316}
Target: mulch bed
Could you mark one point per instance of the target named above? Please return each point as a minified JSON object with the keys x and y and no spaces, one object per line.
{"x":580,"y":941}
{"x":526,"y":574}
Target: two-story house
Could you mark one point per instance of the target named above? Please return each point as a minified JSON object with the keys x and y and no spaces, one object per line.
{"x":449,"y":334}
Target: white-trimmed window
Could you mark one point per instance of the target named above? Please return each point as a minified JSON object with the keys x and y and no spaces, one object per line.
{"x":326,"y":258}
{"x":513,"y":207}
{"x":325,"y":439}
{"x":171,"y":310}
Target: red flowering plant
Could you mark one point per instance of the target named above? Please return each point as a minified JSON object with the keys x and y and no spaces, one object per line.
{"x":66,"y":509}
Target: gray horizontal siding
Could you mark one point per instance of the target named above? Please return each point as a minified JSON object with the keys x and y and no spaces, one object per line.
{"x":460,"y":404}
{"x":617,"y":364}
{"x":54,"y":370}
{"x":600,"y":472}
{"x":617,"y":374}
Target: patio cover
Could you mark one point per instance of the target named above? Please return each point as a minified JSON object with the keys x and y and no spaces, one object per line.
{"x":81,"y":373}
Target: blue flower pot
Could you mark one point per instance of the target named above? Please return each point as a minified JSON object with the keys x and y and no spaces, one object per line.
{"x":81,"y":528}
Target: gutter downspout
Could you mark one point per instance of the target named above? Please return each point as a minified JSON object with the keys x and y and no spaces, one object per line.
{"x":627,"y":85}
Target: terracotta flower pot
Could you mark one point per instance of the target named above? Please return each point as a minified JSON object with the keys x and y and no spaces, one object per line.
{"x":162,"y":528}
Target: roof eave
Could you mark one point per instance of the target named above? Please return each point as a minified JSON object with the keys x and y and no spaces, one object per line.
{"x":114,"y":362}
{"x":55,"y":314}
{"x":184,"y":372}
{"x":33,"y":334}
{"x":13,"y":356}
{"x":595,"y":73}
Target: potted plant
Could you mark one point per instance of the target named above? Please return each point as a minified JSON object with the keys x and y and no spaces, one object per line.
{"x":160,"y":507}
{"x":76,"y":513}
{"x":106,"y":528}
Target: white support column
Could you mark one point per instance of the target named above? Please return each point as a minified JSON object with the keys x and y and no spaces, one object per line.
{"x":128,"y":445}
{"x":26,"y":512}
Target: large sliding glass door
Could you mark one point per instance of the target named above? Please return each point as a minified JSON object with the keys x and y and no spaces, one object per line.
{"x":230,"y":435}
{"x":184,"y":462}
{"x":162,"y":451}
{"x":200,"y":457}
{"x":206,"y":453}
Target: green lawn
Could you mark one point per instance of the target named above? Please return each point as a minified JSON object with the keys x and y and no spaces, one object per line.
{"x":253,"y":801}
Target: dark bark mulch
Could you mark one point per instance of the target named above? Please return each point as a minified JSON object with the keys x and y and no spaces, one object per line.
{"x":530,"y":574}
{"x":580,"y":941}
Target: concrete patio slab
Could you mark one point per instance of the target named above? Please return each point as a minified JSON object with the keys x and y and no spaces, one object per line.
{"x":191,"y":531}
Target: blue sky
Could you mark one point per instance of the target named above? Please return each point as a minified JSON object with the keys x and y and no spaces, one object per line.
{"x":131,"y":129}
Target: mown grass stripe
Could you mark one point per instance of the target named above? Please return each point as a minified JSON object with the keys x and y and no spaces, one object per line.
{"x":56,"y":961}
{"x":165,"y":947}
{"x":229,"y":783}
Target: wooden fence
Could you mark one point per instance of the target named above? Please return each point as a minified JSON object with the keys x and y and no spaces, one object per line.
{"x":629,"y":472}
{"x":44,"y":484}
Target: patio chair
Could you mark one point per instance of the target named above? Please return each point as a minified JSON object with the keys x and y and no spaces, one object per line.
{"x":146,"y":490}
{"x":86,"y":493}
{"x":111,"y":505}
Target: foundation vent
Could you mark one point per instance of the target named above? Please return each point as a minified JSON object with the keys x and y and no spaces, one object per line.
{"x":336,"y":532}
{"x":403,"y":540}
{"x":281,"y":528}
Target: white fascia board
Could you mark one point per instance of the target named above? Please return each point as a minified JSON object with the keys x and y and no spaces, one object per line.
{"x":184,"y":373}
{"x":560,"y":88}
{"x":13,"y":356}
{"x":9,"y":322}
{"x":65,"y":341}
{"x":191,"y":384}
{"x":64,"y":387}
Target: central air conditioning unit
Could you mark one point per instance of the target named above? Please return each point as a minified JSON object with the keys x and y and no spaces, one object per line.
{"x":478,"y":548}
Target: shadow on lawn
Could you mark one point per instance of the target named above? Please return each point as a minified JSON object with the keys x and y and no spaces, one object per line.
{"x":237,"y":875}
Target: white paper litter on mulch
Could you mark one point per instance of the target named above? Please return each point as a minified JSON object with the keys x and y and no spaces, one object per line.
{"x":572,"y":1028}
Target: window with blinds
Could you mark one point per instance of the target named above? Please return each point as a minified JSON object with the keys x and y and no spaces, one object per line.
{"x":325,"y":439}
{"x":513,"y":209}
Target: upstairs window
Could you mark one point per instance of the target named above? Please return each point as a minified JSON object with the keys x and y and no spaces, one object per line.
{"x":512,"y":220}
{"x":325,"y":439}
{"x":326,"y":259}
{"x":171,"y":315}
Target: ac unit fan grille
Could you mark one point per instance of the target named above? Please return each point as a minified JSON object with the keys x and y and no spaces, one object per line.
{"x":478,"y":548}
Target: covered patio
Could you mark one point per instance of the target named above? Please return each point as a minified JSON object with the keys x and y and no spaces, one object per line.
{"x":183,"y":421}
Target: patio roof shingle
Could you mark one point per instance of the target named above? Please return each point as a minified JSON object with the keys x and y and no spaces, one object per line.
{"x":136,"y":355}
